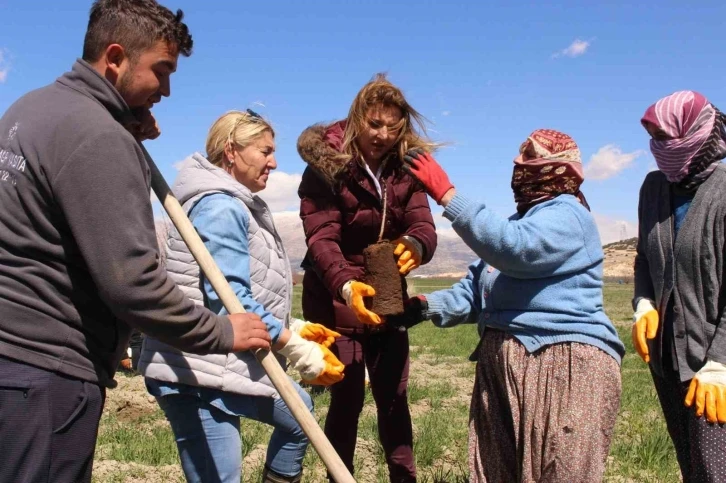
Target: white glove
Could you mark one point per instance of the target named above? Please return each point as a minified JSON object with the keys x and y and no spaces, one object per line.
{"x":315,"y":362}
{"x":644,"y":306}
{"x":347,"y":293}
{"x":314,"y":332}
{"x":708,"y":392}
{"x":353,"y":292}
{"x":712,"y":372}
{"x":645,"y":327}
{"x":296,"y":325}
{"x":306,"y":357}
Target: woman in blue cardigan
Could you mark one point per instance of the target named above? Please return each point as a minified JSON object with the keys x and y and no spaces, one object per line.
{"x":547,"y":388}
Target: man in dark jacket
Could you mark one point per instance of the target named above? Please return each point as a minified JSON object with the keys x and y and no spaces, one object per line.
{"x":79,"y":265}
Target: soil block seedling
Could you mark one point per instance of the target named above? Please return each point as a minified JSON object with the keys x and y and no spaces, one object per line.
{"x":381,"y":273}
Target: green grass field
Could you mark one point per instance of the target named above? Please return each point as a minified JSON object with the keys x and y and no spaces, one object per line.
{"x":135,"y":443}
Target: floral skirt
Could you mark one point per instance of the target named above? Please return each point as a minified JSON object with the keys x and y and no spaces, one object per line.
{"x":542,"y":417}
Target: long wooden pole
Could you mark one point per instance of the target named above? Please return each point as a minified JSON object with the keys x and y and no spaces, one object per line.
{"x":272,"y":367}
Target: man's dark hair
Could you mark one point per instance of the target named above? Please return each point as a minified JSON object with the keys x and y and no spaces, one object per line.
{"x":136,"y":25}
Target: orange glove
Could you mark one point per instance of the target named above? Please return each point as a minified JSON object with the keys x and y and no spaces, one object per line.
{"x":353,"y":293}
{"x":708,"y":391}
{"x":645,"y":327}
{"x":333,"y":371}
{"x":408,"y":251}
{"x":316,"y":364}
{"x":314,"y":332}
{"x":126,"y":364}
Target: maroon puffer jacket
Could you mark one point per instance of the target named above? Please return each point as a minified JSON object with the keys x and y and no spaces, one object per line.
{"x":341,"y":213}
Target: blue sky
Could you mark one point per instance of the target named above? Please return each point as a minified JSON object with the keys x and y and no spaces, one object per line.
{"x":485,"y":75}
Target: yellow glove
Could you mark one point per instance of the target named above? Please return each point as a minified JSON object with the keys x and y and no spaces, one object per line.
{"x":314,"y":332}
{"x":645,"y":327}
{"x":316,"y":364}
{"x":708,"y":389}
{"x":333,"y":371}
{"x":408,"y":251}
{"x":353,"y":293}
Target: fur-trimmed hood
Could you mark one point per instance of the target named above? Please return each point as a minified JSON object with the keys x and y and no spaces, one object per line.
{"x":319,"y":146}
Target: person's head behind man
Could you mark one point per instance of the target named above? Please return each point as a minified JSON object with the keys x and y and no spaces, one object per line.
{"x":135,"y":44}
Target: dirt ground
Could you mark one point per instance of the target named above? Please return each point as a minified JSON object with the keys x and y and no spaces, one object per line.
{"x":130,"y":403}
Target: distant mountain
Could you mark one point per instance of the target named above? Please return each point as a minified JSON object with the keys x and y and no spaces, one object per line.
{"x":451,"y":259}
{"x":452,"y":256}
{"x":289,"y":225}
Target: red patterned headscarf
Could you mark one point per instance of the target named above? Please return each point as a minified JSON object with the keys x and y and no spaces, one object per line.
{"x":549,"y":165}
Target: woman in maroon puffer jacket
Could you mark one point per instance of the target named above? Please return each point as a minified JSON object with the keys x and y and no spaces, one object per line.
{"x":354,"y":168}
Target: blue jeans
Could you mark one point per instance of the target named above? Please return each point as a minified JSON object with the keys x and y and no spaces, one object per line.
{"x":206,"y":425}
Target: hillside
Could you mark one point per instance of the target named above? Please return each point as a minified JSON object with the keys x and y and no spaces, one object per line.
{"x":452,"y":255}
{"x":620,"y":258}
{"x":451,"y":259}
{"x":629,"y":244}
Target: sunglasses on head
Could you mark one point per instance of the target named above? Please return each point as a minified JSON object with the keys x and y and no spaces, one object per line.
{"x":253,"y":114}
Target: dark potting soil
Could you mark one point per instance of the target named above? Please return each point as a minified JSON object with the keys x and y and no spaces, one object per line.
{"x":381,"y":272}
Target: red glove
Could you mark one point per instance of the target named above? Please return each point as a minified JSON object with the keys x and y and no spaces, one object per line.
{"x":427,"y":171}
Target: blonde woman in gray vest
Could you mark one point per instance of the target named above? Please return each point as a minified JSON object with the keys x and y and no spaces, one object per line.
{"x":204,"y":397}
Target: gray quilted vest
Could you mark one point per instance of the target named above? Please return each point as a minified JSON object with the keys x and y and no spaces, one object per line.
{"x":271,"y":283}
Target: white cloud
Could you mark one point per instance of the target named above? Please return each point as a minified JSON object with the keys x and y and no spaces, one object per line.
{"x":608,"y":161}
{"x":577,"y":48}
{"x":4,"y":65}
{"x":445,"y":113}
{"x":154,"y":198}
{"x":281,"y":191}
{"x":613,"y":229}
